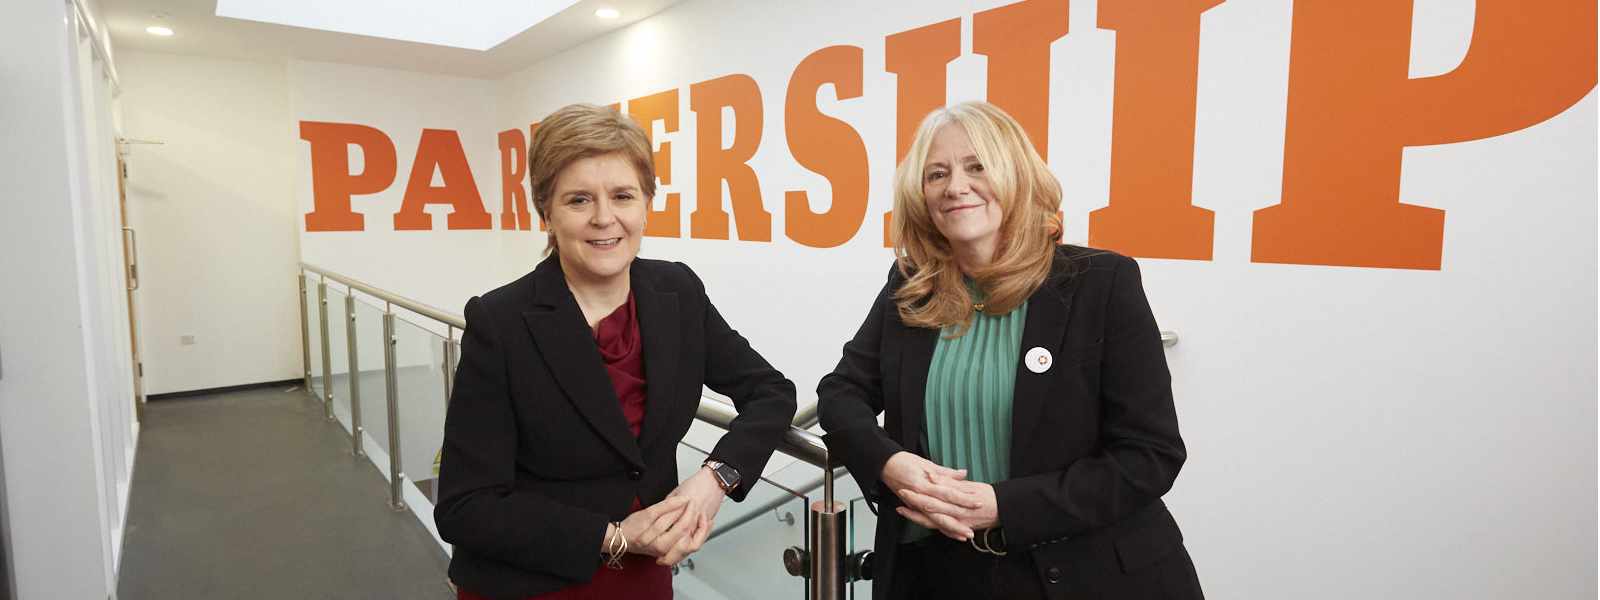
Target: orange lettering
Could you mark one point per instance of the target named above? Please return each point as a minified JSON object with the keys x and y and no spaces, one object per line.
{"x":715,"y":164}
{"x":919,"y":58}
{"x":441,"y":149}
{"x":827,"y":146}
{"x":1353,"y":109}
{"x":1017,"y":39}
{"x":332,"y":184}
{"x":513,"y":173}
{"x":663,"y":106}
{"x":533,"y":130}
{"x":1152,"y":132}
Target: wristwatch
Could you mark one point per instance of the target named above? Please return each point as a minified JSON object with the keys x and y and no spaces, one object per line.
{"x":727,"y":476}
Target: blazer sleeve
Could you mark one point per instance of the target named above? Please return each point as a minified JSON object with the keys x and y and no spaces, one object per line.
{"x":764,"y":398}
{"x":480,"y":508}
{"x":851,"y":398}
{"x":1140,"y":451}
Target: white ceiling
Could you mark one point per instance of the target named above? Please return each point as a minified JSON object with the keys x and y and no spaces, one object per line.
{"x":201,"y":32}
{"x":470,"y":24}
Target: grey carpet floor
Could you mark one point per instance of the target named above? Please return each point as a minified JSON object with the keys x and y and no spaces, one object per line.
{"x":252,"y":494}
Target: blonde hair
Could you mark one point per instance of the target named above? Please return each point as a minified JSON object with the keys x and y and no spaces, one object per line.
{"x":934,"y":294}
{"x":579,"y":131}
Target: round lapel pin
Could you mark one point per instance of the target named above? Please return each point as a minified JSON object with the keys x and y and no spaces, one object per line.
{"x":1038,"y":360}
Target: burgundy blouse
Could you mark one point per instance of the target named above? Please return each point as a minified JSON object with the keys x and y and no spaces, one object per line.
{"x":617,"y":335}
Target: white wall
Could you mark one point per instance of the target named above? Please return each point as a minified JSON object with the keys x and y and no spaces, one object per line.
{"x":1352,"y":431}
{"x":66,"y":392}
{"x":215,"y":218}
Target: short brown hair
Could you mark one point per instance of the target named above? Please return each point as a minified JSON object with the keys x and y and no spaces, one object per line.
{"x":579,"y":131}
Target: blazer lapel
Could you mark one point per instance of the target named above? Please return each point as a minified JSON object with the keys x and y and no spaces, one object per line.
{"x":658,"y":328}
{"x":917,"y":354}
{"x":567,"y":346}
{"x":1045,"y":328}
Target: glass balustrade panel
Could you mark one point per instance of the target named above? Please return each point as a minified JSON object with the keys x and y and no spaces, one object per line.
{"x":314,"y":333}
{"x":419,"y":372}
{"x":338,"y":378}
{"x":369,"y":359}
{"x":743,"y":556}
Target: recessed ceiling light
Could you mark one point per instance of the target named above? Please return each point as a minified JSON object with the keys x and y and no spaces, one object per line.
{"x":608,"y":13}
{"x":158,"y":30}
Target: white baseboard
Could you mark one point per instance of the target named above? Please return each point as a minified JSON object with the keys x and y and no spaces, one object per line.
{"x":375,"y":454}
{"x":422,"y":509}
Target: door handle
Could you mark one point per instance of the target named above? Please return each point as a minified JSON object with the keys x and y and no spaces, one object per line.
{"x":133,"y":255}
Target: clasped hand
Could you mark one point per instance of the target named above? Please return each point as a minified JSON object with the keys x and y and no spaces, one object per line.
{"x":677,"y":526}
{"x":940,"y":498}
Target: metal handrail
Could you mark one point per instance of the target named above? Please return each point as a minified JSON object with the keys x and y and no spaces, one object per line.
{"x":806,"y":417}
{"x":796,"y":442}
{"x":420,"y":308}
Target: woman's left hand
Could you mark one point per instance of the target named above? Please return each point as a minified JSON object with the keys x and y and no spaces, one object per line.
{"x":970,"y":502}
{"x":705,"y":499}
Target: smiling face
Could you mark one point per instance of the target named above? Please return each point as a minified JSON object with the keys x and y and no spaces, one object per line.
{"x":597,"y":213}
{"x":955,"y":186}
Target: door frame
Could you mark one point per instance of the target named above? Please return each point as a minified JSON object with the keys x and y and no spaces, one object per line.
{"x":130,"y":275}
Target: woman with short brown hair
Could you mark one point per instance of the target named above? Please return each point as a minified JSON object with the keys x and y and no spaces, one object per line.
{"x":559,"y":474}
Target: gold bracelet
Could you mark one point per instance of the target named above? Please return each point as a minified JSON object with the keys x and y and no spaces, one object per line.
{"x":610,"y":542}
{"x":616,"y":548}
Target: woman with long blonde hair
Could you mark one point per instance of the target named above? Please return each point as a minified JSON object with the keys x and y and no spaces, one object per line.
{"x":1030,"y":431}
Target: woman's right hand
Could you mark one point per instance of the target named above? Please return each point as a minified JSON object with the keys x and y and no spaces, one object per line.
{"x":906,"y":472}
{"x":656,"y":529}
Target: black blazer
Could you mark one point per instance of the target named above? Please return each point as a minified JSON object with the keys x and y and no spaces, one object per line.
{"x":537,"y":454}
{"x":1094,"y":438}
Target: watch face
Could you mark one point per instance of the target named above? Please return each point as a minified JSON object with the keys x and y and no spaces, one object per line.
{"x":727,"y":475}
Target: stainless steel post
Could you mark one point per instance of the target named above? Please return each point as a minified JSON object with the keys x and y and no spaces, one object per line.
{"x":451,"y":347}
{"x":305,"y":331}
{"x":355,"y":375}
{"x":827,"y":484}
{"x":827,"y":543}
{"x":327,"y":363}
{"x":391,"y":384}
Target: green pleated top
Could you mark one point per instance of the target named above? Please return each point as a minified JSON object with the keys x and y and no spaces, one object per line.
{"x":967,"y":405}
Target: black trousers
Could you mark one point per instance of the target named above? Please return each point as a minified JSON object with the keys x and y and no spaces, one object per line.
{"x":939,"y":567}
